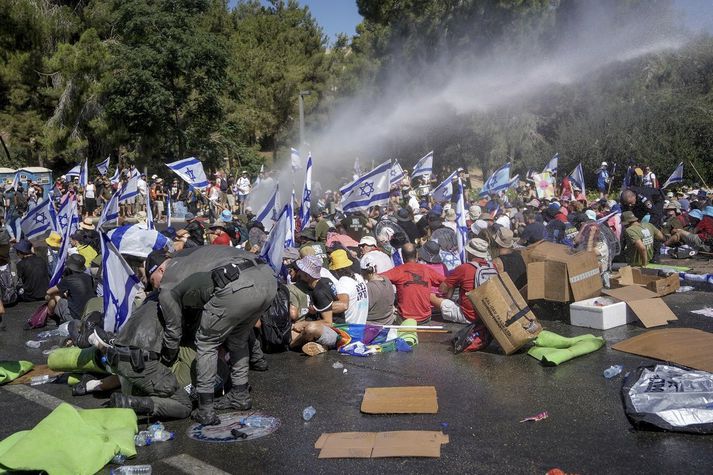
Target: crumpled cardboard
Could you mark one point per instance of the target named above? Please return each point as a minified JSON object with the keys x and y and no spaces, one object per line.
{"x":406,"y":443}
{"x":651,"y":310}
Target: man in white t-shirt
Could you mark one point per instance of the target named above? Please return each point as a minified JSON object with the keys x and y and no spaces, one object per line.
{"x":142,"y":187}
{"x":372,"y":256}
{"x":351,"y":289}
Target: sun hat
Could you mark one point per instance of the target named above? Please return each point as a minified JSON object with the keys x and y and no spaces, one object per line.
{"x":486,"y":217}
{"x":591,"y":214}
{"x":628,"y":217}
{"x":87,"y":224}
{"x":339,"y":260}
{"x":708,"y":211}
{"x":673,"y":205}
{"x":310,"y":265}
{"x":696,"y":213}
{"x":226,"y":216}
{"x":474,"y":212}
{"x":368,"y":241}
{"x":54,"y":239}
{"x":403,"y":214}
{"x":451,"y":215}
{"x":76,"y":263}
{"x":478,"y":247}
{"x":504,"y":237}
{"x":430,"y":252}
{"x":23,"y":247}
{"x":217,"y":224}
{"x":291,"y":253}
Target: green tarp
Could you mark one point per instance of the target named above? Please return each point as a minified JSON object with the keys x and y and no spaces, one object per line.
{"x":11,"y":370}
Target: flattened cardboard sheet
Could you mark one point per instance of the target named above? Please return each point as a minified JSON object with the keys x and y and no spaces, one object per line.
{"x":683,"y":346}
{"x":407,"y":443}
{"x":400,"y":400}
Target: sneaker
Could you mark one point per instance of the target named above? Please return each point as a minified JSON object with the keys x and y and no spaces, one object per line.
{"x":313,"y":348}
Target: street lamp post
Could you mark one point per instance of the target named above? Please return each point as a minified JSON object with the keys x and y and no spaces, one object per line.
{"x":302,"y":118}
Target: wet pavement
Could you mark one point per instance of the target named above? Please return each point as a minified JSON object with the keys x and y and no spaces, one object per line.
{"x":481,"y":397}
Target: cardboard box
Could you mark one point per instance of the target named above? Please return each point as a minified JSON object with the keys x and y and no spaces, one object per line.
{"x":660,"y":285}
{"x":646,"y":305}
{"x":586,"y":314}
{"x":406,"y":443}
{"x":557,"y":274}
{"x":505,"y":313}
{"x":400,"y":400}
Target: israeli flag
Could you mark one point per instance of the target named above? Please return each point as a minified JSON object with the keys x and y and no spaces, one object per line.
{"x":295,"y":160}
{"x":274,"y":248}
{"x":444,"y":191}
{"x":116,"y":177}
{"x":372,"y":189}
{"x":67,"y":218}
{"x":75,"y":171}
{"x":191,"y":171}
{"x":111,"y":210}
{"x":462,"y":234}
{"x":119,"y":284}
{"x":424,"y":166}
{"x":290,"y":237}
{"x":676,"y":176}
{"x":137,"y":241}
{"x":84,"y":174}
{"x":149,"y":211}
{"x":15,"y":181}
{"x":131,"y":187}
{"x":103,"y":166}
{"x":37,"y":220}
{"x":168,"y":209}
{"x":498,"y":181}
{"x":267,"y":213}
{"x":306,"y":195}
{"x":53,"y":219}
{"x":64,"y":247}
{"x":397,"y":173}
{"x":552,"y":165}
{"x":577,"y":177}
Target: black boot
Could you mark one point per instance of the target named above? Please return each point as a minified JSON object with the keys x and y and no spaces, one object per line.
{"x":237,"y":398}
{"x":80,"y":389}
{"x":259,"y":365}
{"x":205,"y":414}
{"x":142,"y":406}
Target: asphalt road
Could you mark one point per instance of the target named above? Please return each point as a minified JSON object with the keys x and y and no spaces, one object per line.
{"x":482,"y":396}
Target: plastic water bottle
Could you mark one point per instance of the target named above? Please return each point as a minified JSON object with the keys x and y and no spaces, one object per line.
{"x":46,"y":335}
{"x":257,"y":422}
{"x":162,"y":436}
{"x":132,"y":470}
{"x":33,"y":344}
{"x":45,"y":378}
{"x":308,"y":413}
{"x":142,"y":439}
{"x":612,"y":371}
{"x":118,"y":459}
{"x":155,"y":427}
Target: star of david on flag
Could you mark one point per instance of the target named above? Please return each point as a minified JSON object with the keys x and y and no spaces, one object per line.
{"x":37,"y":221}
{"x":191,"y":171}
{"x":372,"y":189}
{"x":424,"y":166}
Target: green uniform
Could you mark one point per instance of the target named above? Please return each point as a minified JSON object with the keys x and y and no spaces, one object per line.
{"x":321,"y":230}
{"x":320,"y":250}
{"x":670,"y":224}
{"x":645,"y":233}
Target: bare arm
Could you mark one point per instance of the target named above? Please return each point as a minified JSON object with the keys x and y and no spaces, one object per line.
{"x":641,"y":249}
{"x":341,"y":304}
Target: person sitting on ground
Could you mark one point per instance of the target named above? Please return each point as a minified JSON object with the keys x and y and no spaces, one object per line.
{"x":508,"y":259}
{"x":54,"y":242}
{"x":701,"y":238}
{"x":351,"y":289}
{"x":413,"y":283}
{"x":465,"y":278}
{"x":373,"y":256}
{"x":31,"y":271}
{"x":181,"y":241}
{"x":81,"y":241}
{"x":195,"y":230}
{"x":66,"y":300}
{"x":217,"y":235}
{"x":317,"y":336}
{"x":639,"y":239}
{"x":381,"y":297}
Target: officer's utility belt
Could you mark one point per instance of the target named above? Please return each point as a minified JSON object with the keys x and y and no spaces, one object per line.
{"x":136,"y":356}
{"x":228,"y":273}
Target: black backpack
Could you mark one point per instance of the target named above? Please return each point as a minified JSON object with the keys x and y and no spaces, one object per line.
{"x":276,"y":325}
{"x":8,"y":287}
{"x":20,"y":202}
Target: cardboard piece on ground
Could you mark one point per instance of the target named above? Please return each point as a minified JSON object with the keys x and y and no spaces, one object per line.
{"x":565,"y":277}
{"x":660,"y":285}
{"x":683,"y":346}
{"x":648,"y":308}
{"x":38,"y":370}
{"x":407,"y":443}
{"x":505,"y":313}
{"x":400,"y":400}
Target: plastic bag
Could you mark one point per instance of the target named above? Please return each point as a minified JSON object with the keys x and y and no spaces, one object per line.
{"x":39,"y":318}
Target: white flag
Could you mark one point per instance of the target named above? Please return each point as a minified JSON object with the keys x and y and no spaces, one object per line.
{"x":424,"y":166}
{"x":37,"y":220}
{"x":103,"y":166}
{"x":295,"y":160}
{"x":372,"y":189}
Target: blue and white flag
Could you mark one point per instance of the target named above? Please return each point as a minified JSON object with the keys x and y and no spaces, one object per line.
{"x":136,"y":241}
{"x":498,"y":181}
{"x":424,"y":166}
{"x":577,"y":177}
{"x":15,"y":181}
{"x":397,"y":173}
{"x":191,"y":171}
{"x":119,"y":285}
{"x":290,"y":237}
{"x":372,"y":189}
{"x":462,"y":226}
{"x":74,"y":172}
{"x":111,"y":210}
{"x":676,"y":176}
{"x":149,"y":211}
{"x":38,"y":220}
{"x":274,"y":248}
{"x":103,"y":166}
{"x":67,"y":218}
{"x":267,"y":214}
{"x":131,"y":187}
{"x":444,"y":191}
{"x":116,"y":177}
{"x":53,"y":218}
{"x":168,"y":209}
{"x":295,"y":160}
{"x":64,"y":247}
{"x":84,"y":174}
{"x":552,"y":165}
{"x":306,"y":205}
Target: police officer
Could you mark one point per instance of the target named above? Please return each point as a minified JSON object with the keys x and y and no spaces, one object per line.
{"x":232,"y":288}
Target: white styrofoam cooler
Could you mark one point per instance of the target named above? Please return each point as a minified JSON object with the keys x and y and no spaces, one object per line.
{"x":585,"y":314}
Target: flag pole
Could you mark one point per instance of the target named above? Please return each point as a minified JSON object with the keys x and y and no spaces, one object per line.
{"x":611,"y":180}
{"x":699,"y":175}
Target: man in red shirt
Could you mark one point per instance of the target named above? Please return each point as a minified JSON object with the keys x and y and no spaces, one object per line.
{"x":466,"y":277}
{"x":413,"y":283}
{"x":218,"y":235}
{"x":701,"y":239}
